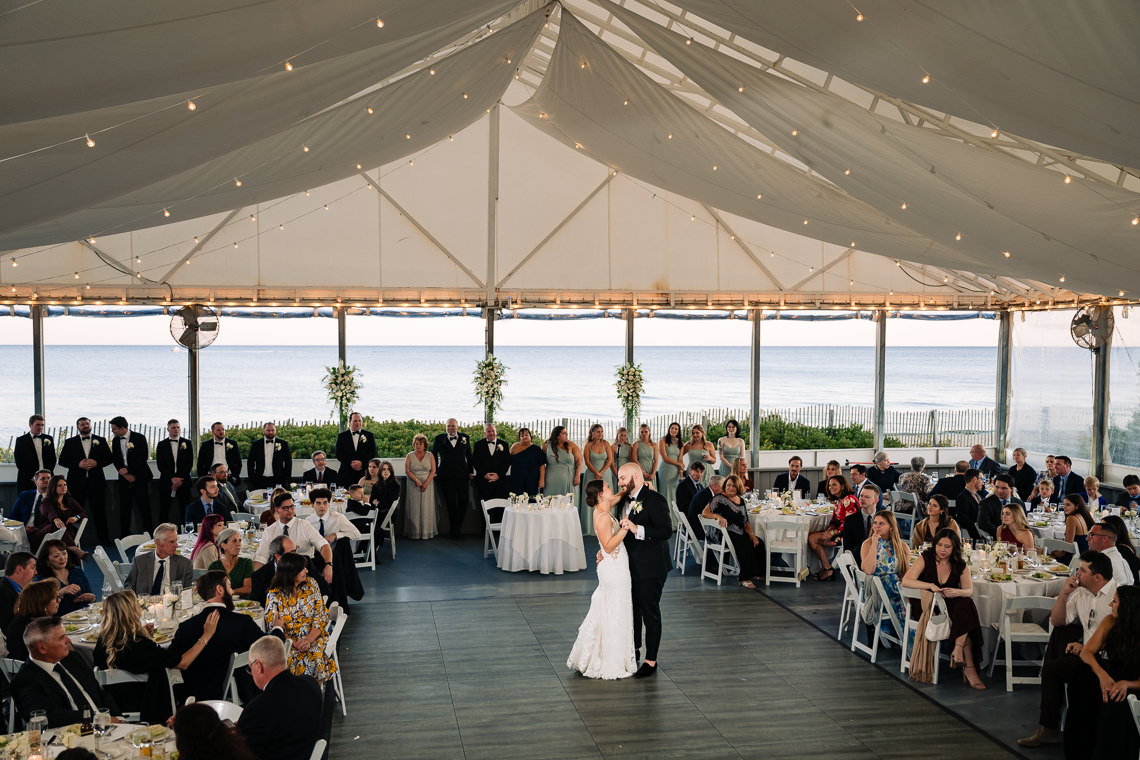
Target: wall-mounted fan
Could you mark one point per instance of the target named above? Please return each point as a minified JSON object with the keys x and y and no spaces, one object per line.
{"x":194,"y":326}
{"x":1092,"y":326}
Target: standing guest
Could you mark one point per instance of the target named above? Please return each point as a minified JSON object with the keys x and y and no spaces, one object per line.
{"x":1130,"y":499}
{"x":452,"y":452}
{"x":916,"y":482}
{"x":644,"y":452}
{"x":937,"y":519}
{"x":37,"y":600}
{"x":1102,"y":538}
{"x":830,"y":470}
{"x":491,"y":459}
{"x":175,"y":459}
{"x":857,"y":526}
{"x":282,"y":693}
{"x":56,"y":679}
{"x":85,"y":455}
{"x":622,"y":450}
{"x":1067,"y":481}
{"x":989,"y":509}
{"x":270,"y":461}
{"x":28,"y":503}
{"x":563,"y":463}
{"x":216,"y":450}
{"x":701,"y":500}
{"x":730,"y":512}
{"x":227,"y":493}
{"x":19,"y":571}
{"x":1024,"y":476}
{"x":1092,"y":493}
{"x":697,"y":449}
{"x":858,"y":479}
{"x":528,"y":465}
{"x":237,"y":568}
{"x":1113,"y":655}
{"x":152,"y":570}
{"x":1045,"y":497}
{"x":328,"y":522}
{"x":205,"y":551}
{"x":320,"y":472}
{"x":58,"y":512}
{"x":966,"y":504}
{"x":952,"y":486}
{"x":199,"y":734}
{"x":884,"y":554}
{"x":672,"y":466}
{"x":1014,"y":528}
{"x":740,"y":470}
{"x":34,"y":450}
{"x":598,"y":459}
{"x":208,"y":502}
{"x":883,"y":474}
{"x":355,"y":447}
{"x":130,"y":455}
{"x":981,"y":461}
{"x":1124,"y":544}
{"x":729,"y":447}
{"x":295,"y":599}
{"x":792,"y":480}
{"x":54,"y":562}
{"x":1078,"y":523}
{"x":420,"y":468}
{"x":308,"y":542}
{"x":846,"y":504}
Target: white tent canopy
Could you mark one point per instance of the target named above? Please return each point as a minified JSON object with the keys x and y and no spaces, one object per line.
{"x":704,"y":152}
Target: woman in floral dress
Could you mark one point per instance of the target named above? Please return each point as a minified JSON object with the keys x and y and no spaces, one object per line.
{"x":294,"y":601}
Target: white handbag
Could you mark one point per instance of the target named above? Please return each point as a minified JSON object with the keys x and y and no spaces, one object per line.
{"x":938,"y":626}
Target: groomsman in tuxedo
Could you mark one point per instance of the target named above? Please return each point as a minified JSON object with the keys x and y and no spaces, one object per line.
{"x":130,"y":454}
{"x":491,"y":459}
{"x":270,"y":461}
{"x":175,"y":458}
{"x":217,"y":449}
{"x":85,"y":455}
{"x":34,"y":450}
{"x":227,"y":494}
{"x":452,"y":452}
{"x":319,"y":472}
{"x":792,"y":480}
{"x":355,"y":448}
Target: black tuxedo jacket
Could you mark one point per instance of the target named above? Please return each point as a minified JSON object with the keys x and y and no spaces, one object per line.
{"x":206,"y":458}
{"x":989,"y":513}
{"x":169,"y":467}
{"x":965,"y":513}
{"x":34,"y":689}
{"x":279,"y":471}
{"x":138,"y":456}
{"x":8,"y":594}
{"x":196,"y":511}
{"x":649,"y":558}
{"x":72,"y":454}
{"x":24,"y":455}
{"x":207,"y":676}
{"x":1074,"y":483}
{"x":686,"y":490}
{"x":484,"y":462}
{"x":364,"y":452}
{"x":802,"y":483}
{"x":271,"y":737}
{"x":452,"y":462}
{"x":949,"y":487}
{"x":259,"y":582}
{"x":855,"y":533}
{"x":328,"y":477}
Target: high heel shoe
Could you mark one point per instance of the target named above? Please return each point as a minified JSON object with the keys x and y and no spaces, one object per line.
{"x":966,"y":678}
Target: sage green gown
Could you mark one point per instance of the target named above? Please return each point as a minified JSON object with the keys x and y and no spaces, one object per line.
{"x":668,"y":476}
{"x":731,"y":454}
{"x":621,"y":455}
{"x":598,"y":460}
{"x":698,"y":455}
{"x":559,"y":473}
{"x":645,"y":453}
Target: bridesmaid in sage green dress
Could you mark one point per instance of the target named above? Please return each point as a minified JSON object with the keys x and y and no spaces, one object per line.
{"x":697,"y":449}
{"x":621,"y":451}
{"x":645,"y":453}
{"x":596,"y":460}
{"x":730,"y":448}
{"x":669,"y":471}
{"x":563,"y":463}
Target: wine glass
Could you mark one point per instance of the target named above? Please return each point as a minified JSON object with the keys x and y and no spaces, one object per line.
{"x":102,"y":724}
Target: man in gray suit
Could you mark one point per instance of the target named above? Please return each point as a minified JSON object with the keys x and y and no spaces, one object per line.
{"x":153,"y":570}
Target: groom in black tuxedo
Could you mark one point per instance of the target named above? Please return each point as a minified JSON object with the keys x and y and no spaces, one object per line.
{"x":645,"y":515}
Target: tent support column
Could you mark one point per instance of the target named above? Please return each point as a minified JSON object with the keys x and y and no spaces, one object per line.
{"x":492,"y":204}
{"x":489,"y":316}
{"x":194,"y":421}
{"x":342,"y":335}
{"x":1101,"y":357}
{"x":38,"y":396}
{"x":880,"y":379}
{"x":754,"y":390}
{"x":1002,"y":392}
{"x":630,"y":315}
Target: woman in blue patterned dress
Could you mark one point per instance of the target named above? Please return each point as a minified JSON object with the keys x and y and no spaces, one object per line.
{"x":884,"y":554}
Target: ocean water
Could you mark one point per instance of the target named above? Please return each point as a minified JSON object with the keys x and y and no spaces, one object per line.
{"x":239,"y":384}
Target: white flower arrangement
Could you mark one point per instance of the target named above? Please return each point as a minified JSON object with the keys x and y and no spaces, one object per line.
{"x":343,"y":386}
{"x":490,"y":377}
{"x":630,"y":386}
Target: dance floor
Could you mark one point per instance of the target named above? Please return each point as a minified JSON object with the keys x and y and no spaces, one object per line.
{"x":448,"y":657}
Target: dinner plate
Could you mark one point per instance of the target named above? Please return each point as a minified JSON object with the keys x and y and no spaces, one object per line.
{"x":90,"y":637}
{"x":77,"y":615}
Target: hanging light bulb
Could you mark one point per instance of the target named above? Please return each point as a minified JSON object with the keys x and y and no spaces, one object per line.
{"x":858,"y":16}
{"x":90,"y":142}
{"x":1135,"y":220}
{"x":407,"y":136}
{"x":903,"y":206}
{"x":847,"y":172}
{"x":994,"y":133}
{"x":958,"y":236}
{"x":15,"y":263}
{"x":77,"y":275}
{"x":235,"y":244}
{"x":795,"y":132}
{"x":305,"y":148}
{"x":191,"y":105}
{"x":1062,"y":278}
{"x":1005,"y":253}
{"x":195,"y":238}
{"x":926,"y":79}
{"x":252,"y":218}
{"x":237,"y":182}
{"x":759,"y":196}
{"x":1068,"y":179}
{"x":432,"y":71}
{"x":379,"y":23}
{"x":288,"y":66}
{"x":369,"y":110}
{"x":740,"y":88}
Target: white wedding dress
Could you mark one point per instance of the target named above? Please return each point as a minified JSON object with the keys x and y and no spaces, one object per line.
{"x":604,"y":647}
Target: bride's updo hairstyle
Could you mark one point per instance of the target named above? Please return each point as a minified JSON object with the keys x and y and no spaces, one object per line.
{"x":593,"y":491}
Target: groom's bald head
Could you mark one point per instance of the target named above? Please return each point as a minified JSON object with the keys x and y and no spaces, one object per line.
{"x":630,"y":477}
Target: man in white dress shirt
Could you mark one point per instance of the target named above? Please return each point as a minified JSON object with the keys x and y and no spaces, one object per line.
{"x":328,"y":522}
{"x":1102,"y":538}
{"x":309,"y":542}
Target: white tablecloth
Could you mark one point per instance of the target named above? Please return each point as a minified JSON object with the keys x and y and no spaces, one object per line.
{"x":990,"y":597}
{"x":543,"y":540}
{"x":813,"y":522}
{"x":21,"y":543}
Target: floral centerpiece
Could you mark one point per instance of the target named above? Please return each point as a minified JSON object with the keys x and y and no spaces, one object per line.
{"x":630,"y":386}
{"x":490,"y":377}
{"x":343,"y":386}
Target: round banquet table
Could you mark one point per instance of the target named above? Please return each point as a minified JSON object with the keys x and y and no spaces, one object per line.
{"x":543,"y":540}
{"x":813,"y":517}
{"x":990,"y":597}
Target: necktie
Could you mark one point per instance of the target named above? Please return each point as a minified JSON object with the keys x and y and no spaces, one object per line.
{"x":321,"y":527}
{"x":1061,"y":490}
{"x":209,"y":508}
{"x":285,"y":530}
{"x":75,"y":692}
{"x":156,"y":587}
{"x":319,"y":476}
{"x":870,"y":519}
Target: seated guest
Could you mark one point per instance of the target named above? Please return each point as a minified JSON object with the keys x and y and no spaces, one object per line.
{"x":125,"y":644}
{"x":239,"y":569}
{"x":309,"y":543}
{"x":1066,"y":481}
{"x":227,"y":491}
{"x":370,"y":478}
{"x":152,"y":570}
{"x":356,"y":503}
{"x":858,"y":479}
{"x":37,"y":600}
{"x":269,"y":516}
{"x":937,"y":519}
{"x":1130,"y":499}
{"x":730,"y":511}
{"x":689,"y":485}
{"x":830,"y":470}
{"x":1045,"y":498}
{"x":1014,"y":528}
{"x":885,"y":555}
{"x":295,"y":598}
{"x":282,"y":693}
{"x":387,"y":490}
{"x":1113,"y":656}
{"x":857,"y":526}
{"x":1085,"y":600}
{"x":205,"y":551}
{"x":207,"y":502}
{"x":259,"y":581}
{"x":740,"y":470}
{"x":989,"y":510}
{"x":941,"y":569}
{"x":19,"y":571}
{"x":966,"y":504}
{"x":1092,"y":494}
{"x":1124,"y":544}
{"x":1024,"y":476}
{"x":320,"y":472}
{"x":1078,"y":522}
{"x":792,"y":480}
{"x":703,"y":498}
{"x":884,"y":475}
{"x":328,"y":522}
{"x":27,"y":504}
{"x":981,"y":461}
{"x":916,"y":482}
{"x":952,"y":486}
{"x":200,"y":734}
{"x":55,"y":562}
{"x":58,"y":511}
{"x":56,"y":679}
{"x":1102,"y":538}
{"x":820,"y":541}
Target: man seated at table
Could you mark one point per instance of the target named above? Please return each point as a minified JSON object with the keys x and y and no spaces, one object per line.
{"x":1102,"y":538}
{"x":207,"y":502}
{"x":320,"y":472}
{"x":702,"y":500}
{"x":28,"y":503}
{"x":283,"y":721}
{"x":1130,"y":499}
{"x":152,"y":570}
{"x":1085,"y":600}
{"x":857,"y":526}
{"x":263,"y":575}
{"x":339,"y":531}
{"x":56,"y":679}
{"x":965,"y":509}
{"x":309,"y":543}
{"x":227,"y":492}
{"x":328,"y":522}
{"x":989,"y":510}
{"x":19,"y":571}
{"x":858,"y":479}
{"x":792,"y":480}
{"x":1067,"y":482}
{"x":953,"y":485}
{"x":980,"y":461}
{"x":689,"y":486}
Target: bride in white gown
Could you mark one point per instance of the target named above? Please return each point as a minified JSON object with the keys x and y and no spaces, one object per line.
{"x":604,"y":647}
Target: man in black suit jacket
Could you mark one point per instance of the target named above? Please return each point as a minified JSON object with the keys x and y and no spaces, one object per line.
{"x":857,"y":525}
{"x":218,"y":449}
{"x":951,"y":486}
{"x":702,"y":499}
{"x":319,"y":473}
{"x":34,"y":450}
{"x":56,"y":679}
{"x":688,"y":486}
{"x":259,"y":583}
{"x":491,"y":458}
{"x":283,"y":721}
{"x":275,"y":470}
{"x":207,"y":502}
{"x":792,"y":480}
{"x":645,"y":515}
{"x":85,"y":455}
{"x":966,"y":503}
{"x":989,"y":510}
{"x":27,"y":503}
{"x":130,"y":454}
{"x":19,"y":571}
{"x":355,"y":448}
{"x":175,"y":459}
{"x":452,"y":452}
{"x":981,"y":461}
{"x":227,"y":494}
{"x":1067,"y":482}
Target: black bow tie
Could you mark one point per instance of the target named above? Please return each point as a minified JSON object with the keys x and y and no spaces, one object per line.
{"x":87,"y":438}
{"x":451,"y":438}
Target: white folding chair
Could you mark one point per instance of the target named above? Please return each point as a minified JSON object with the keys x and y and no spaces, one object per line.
{"x":364,"y":552}
{"x":225,"y":710}
{"x":871,"y":586}
{"x":79,"y":537}
{"x":898,"y":498}
{"x":686,"y":541}
{"x":107,"y":567}
{"x":1133,"y":704}
{"x":721,"y":548}
{"x":849,"y":608}
{"x":490,"y":545}
{"x":130,"y":542}
{"x":330,"y":651}
{"x":793,"y":541}
{"x":55,"y":535}
{"x":1056,"y":545}
{"x":1012,"y":631}
{"x":318,"y":750}
{"x":10,"y":668}
{"x":237,"y":662}
{"x":938,"y":607}
{"x":110,"y":676}
{"x":387,"y":525}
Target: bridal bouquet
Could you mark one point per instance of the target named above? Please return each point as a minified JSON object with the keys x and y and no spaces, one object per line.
{"x":343,"y":387}
{"x":490,"y":377}
{"x":630,"y":385}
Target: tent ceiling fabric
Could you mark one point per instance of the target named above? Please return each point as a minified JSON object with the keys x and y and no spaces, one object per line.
{"x":596,"y":95}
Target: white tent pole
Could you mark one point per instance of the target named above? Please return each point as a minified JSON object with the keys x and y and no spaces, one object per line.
{"x":492,"y":205}
{"x":1001,"y":396}
{"x":880,"y":378}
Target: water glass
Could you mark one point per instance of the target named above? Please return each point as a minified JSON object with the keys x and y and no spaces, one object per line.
{"x":37,"y":724}
{"x":102,"y":724}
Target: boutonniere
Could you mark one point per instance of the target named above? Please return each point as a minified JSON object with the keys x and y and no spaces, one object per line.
{"x":500,"y":446}
{"x":277,"y":447}
{"x":183,"y":446}
{"x":130,"y":445}
{"x":47,"y":442}
{"x":94,"y":441}
{"x":363,"y":438}
{"x":229,"y":445}
{"x":636,"y":508}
